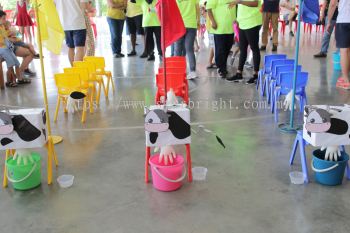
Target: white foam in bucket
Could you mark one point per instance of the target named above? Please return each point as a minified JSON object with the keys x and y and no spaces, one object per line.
{"x":199,"y":173}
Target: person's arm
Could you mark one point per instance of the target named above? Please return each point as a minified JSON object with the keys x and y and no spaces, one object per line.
{"x":198,"y":15}
{"x":212,"y":20}
{"x":244,"y":2}
{"x":323,"y":10}
{"x":332,"y":6}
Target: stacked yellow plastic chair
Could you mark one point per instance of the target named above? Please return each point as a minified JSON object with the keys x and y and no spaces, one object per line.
{"x":100,"y":70}
{"x":66,"y":84}
{"x":97,"y":79}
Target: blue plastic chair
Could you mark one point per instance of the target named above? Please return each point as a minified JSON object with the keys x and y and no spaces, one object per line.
{"x":286,"y":85}
{"x":272,"y":74}
{"x":267,"y":69}
{"x":276,"y":82}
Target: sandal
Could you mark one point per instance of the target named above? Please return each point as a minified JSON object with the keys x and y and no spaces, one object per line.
{"x":11,"y":84}
{"x":343,"y":85}
{"x":341,"y":80}
{"x":24,"y":81}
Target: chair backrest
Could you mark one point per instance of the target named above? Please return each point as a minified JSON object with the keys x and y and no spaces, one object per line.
{"x":181,"y":66}
{"x":280,"y":62}
{"x":269,"y":58}
{"x":86,"y":64}
{"x":99,"y":61}
{"x":67,"y":81}
{"x":285,"y":68}
{"x":174,"y":81}
{"x":176,"y":59}
{"x":82,"y":71}
{"x":173,"y":70}
{"x":286,"y":80}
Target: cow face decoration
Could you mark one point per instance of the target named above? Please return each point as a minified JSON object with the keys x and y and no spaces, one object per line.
{"x":318,"y":120}
{"x":167,"y":127}
{"x":22,"y":129}
{"x":6,"y":126}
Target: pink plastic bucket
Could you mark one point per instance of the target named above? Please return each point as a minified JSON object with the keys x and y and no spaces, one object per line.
{"x":167,"y":177}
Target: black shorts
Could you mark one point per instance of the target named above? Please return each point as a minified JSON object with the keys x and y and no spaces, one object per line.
{"x":135,"y":25}
{"x":75,"y":38}
{"x":342,"y":35}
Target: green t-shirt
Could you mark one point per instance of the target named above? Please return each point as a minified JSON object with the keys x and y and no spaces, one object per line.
{"x":249,"y":17}
{"x":188,"y":12}
{"x":224,"y":17}
{"x":149,"y":18}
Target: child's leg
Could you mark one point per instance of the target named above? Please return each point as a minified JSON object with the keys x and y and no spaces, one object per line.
{"x":28,"y":34}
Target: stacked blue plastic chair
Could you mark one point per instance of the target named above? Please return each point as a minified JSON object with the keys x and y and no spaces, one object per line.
{"x":274,"y":82}
{"x":267,"y":70}
{"x":272,"y":75}
{"x":285,"y":85}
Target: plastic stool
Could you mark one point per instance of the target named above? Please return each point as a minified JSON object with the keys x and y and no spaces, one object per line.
{"x":299,"y":140}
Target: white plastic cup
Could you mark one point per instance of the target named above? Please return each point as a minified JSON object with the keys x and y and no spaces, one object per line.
{"x":199,"y":173}
{"x":65,"y":181}
{"x":296,"y":177}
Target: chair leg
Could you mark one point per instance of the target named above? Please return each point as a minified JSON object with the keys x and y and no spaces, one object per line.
{"x":113,"y":86}
{"x":98,"y":97}
{"x":189,"y":162}
{"x":147,"y":157}
{"x":91,"y":104}
{"x":303,"y":159}
{"x":57,"y":108}
{"x":105,"y":90}
{"x":5,"y":181}
{"x":294,"y":150}
{"x":276,"y":108}
{"x":83,"y":117}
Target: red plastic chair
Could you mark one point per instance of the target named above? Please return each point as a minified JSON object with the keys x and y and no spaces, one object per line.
{"x":175,"y":70}
{"x":175,"y":82}
{"x":177,"y":59}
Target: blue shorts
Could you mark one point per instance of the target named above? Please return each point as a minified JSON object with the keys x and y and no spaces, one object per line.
{"x":75,"y":38}
{"x":342,"y":35}
{"x":9,"y":57}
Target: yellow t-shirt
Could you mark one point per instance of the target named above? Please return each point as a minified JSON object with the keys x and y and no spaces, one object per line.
{"x":3,"y":36}
{"x":133,"y":10}
{"x":116,"y":13}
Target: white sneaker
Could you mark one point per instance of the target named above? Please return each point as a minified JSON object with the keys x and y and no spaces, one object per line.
{"x":192,"y":75}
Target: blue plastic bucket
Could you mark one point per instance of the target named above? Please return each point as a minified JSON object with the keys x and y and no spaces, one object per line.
{"x":328,"y":172}
{"x":336,"y":61}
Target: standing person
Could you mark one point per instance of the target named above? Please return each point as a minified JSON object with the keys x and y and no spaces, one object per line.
{"x":190,"y":14}
{"x":249,"y":20}
{"x":271,"y":13}
{"x":23,"y":20}
{"x":342,"y":37}
{"x":134,"y":23}
{"x":71,"y":13}
{"x":221,"y":20}
{"x":115,"y":19}
{"x":289,"y":13}
{"x":151,"y":25}
{"x":331,"y":22}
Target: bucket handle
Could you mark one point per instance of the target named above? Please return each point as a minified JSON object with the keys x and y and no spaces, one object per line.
{"x":323,"y":170}
{"x":24,"y":178}
{"x":167,"y":179}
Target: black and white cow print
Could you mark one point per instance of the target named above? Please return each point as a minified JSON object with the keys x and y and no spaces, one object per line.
{"x":21,"y":129}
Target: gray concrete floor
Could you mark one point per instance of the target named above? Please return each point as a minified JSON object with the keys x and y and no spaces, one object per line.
{"x":247,"y":187}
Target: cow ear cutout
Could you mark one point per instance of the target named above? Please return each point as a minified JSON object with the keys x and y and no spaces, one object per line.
{"x":146,"y":111}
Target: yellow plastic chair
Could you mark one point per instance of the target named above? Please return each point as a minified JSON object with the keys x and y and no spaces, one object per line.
{"x":98,"y":79}
{"x":66,"y":84}
{"x":100,"y":70}
{"x":85,"y":82}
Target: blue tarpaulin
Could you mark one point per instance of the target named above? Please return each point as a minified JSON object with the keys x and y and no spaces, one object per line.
{"x":310,"y":11}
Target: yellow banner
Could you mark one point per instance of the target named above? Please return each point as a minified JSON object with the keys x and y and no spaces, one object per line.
{"x":52,"y":33}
